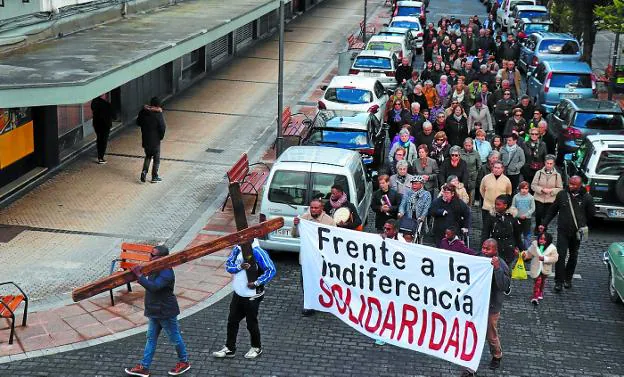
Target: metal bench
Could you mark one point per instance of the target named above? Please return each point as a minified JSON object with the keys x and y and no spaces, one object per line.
{"x":132,"y":254}
{"x":293,"y":126}
{"x":9,"y":304}
{"x":251,"y":181}
{"x":370,"y":29}
{"x":354,"y":43}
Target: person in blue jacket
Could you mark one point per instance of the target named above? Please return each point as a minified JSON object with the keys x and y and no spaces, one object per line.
{"x":246,"y":298}
{"x":161,"y":309}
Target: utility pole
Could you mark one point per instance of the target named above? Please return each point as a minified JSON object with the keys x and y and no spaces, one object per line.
{"x":279,"y":143}
{"x":614,"y":61}
{"x":364,"y":27}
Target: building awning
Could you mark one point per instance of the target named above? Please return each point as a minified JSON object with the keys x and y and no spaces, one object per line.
{"x":81,"y":66}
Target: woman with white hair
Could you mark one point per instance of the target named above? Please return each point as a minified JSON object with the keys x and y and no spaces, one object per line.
{"x":444,"y":90}
{"x":401,"y":181}
{"x":431,"y":95}
{"x":404,"y":142}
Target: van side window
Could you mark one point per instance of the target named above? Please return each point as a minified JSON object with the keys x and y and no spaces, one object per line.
{"x":322,"y":183}
{"x":289,"y":187}
{"x":360,"y":183}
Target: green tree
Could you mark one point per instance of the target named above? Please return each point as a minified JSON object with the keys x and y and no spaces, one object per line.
{"x":612,"y":16}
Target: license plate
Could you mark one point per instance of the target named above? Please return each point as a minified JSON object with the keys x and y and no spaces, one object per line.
{"x":616,"y":213}
{"x":283,"y":232}
{"x":570,"y":96}
{"x":370,"y":74}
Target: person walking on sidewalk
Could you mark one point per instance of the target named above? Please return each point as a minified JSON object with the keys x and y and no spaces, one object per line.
{"x":153,"y":126}
{"x":575,"y":208}
{"x":246,"y":299}
{"x":501,"y":280}
{"x":102,"y":123}
{"x":161,"y":309}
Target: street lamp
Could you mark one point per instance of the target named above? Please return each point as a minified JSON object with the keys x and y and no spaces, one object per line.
{"x":279,"y":143}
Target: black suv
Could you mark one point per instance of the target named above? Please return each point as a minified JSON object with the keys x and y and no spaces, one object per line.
{"x":574,"y":119}
{"x":599,"y":161}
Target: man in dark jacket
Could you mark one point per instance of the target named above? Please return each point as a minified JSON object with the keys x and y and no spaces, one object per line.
{"x":161,"y":309}
{"x":385,"y":202}
{"x":448,"y":210}
{"x":510,"y":49}
{"x":153,"y":126}
{"x":501,"y":281}
{"x":568,"y":224}
{"x":403,"y":72}
{"x":102,"y":123}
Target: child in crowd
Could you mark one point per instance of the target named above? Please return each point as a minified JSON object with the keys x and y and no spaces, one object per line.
{"x":524,"y":203}
{"x":544,"y":255}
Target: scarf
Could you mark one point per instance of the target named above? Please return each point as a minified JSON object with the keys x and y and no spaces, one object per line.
{"x":338,"y":202}
{"x":397,"y":115}
{"x":511,"y":150}
{"x":436,"y":150}
{"x":405,"y":145}
{"x":443,"y":89}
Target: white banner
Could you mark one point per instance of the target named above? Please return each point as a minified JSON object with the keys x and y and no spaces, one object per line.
{"x":412,"y":296}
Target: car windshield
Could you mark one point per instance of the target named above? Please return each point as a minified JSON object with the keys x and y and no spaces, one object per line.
{"x":289,"y":187}
{"x":351,"y":96}
{"x":348,"y":139}
{"x":406,"y":25}
{"x":387,"y":46}
{"x":558,"y":47}
{"x":534,"y":28}
{"x":611,"y":163}
{"x":599,"y":121}
{"x":409,"y":11}
{"x":372,"y":62}
{"x":570,"y":80}
{"x":531,"y":13}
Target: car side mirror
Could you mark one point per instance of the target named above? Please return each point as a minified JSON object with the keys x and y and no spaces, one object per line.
{"x":385,"y":25}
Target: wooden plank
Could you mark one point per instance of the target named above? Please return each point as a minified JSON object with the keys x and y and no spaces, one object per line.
{"x":136,"y":247}
{"x":120,"y":278}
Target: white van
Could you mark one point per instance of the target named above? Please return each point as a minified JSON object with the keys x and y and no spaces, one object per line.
{"x":503,"y":14}
{"x":302,"y":173}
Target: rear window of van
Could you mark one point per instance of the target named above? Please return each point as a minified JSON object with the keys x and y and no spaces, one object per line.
{"x":292,"y":187}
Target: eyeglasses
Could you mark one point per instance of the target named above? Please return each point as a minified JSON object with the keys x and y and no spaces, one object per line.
{"x":440,"y":139}
{"x":388,"y":228}
{"x":534,"y":133}
{"x":454,"y":155}
{"x":507,"y":94}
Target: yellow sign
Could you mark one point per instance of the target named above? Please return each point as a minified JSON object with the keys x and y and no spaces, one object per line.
{"x":16,"y":135}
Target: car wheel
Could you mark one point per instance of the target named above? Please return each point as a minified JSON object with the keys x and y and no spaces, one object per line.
{"x":613,"y":295}
{"x":619,"y":188}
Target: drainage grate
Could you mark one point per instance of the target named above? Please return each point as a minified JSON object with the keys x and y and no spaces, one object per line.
{"x":214,"y":150}
{"x":8,"y":232}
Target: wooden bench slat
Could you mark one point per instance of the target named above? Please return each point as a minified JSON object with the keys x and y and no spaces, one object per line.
{"x":127,"y":265}
{"x":136,"y":247}
{"x":141,"y":257}
{"x":12,"y":302}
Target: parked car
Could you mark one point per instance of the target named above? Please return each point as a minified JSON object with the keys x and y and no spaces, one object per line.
{"x":572,"y":120}
{"x":503,"y":13}
{"x":527,"y":26}
{"x":526,"y":11}
{"x":396,"y":44}
{"x":354,"y":93}
{"x":302,"y":173}
{"x":378,"y":64}
{"x":599,"y":161}
{"x":356,"y":131}
{"x":411,"y":9}
{"x":546,"y":46}
{"x":413,"y":26}
{"x":412,"y":40}
{"x":553,"y":81}
{"x":613,"y":258}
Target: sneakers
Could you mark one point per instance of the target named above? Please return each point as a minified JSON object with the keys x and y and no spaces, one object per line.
{"x":224,"y":352}
{"x":495,"y":363}
{"x":180,"y":368}
{"x":101,"y":161}
{"x":540,"y":297}
{"x":143,"y":175}
{"x":138,"y":370}
{"x":156,"y":179}
{"x":558,"y":287}
{"x":253,"y":353}
{"x":534,"y":301}
{"x":567,"y":284}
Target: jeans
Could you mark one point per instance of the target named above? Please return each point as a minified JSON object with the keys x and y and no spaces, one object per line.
{"x":566,"y":242}
{"x":525,"y":227}
{"x":243,"y":307}
{"x":173,"y":332}
{"x":149,"y":155}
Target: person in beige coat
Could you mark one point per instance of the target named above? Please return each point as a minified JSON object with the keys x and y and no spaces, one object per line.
{"x":543,"y":255}
{"x":546,"y":184}
{"x":492,"y":185}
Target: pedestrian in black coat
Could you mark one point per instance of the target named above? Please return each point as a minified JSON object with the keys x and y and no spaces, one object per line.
{"x":448,"y":211}
{"x":102,"y":122}
{"x":153,"y":127}
{"x":505,"y":228}
{"x":583,"y":209}
{"x":385,"y":209}
{"x":454,"y":166}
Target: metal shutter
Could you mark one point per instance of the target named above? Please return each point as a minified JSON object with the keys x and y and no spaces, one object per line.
{"x":219,"y":49}
{"x":244,"y":34}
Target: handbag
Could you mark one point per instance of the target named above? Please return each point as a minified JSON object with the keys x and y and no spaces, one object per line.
{"x":582,"y":233}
